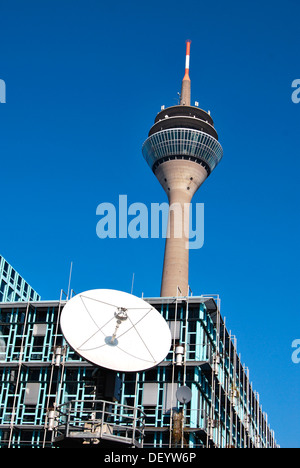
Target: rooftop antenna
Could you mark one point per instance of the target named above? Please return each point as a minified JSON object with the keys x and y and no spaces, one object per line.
{"x":70,"y":276}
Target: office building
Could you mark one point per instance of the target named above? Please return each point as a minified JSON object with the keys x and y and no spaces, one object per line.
{"x":13,"y":287}
{"x":44,"y":383}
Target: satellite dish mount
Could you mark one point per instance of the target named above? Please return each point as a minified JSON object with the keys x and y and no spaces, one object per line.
{"x":121,"y":315}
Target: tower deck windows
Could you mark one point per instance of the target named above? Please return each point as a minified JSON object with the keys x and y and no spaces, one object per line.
{"x":183,"y":143}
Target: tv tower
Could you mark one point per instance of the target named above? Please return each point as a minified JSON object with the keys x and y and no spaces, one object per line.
{"x":182,"y":149}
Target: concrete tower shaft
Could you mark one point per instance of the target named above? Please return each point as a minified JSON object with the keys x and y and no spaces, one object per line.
{"x":180,"y":179}
{"x":182,"y":149}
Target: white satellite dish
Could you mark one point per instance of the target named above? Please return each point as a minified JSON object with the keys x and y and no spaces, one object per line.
{"x":115,"y":330}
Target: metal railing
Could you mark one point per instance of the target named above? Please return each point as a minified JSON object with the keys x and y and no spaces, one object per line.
{"x":96,"y":420}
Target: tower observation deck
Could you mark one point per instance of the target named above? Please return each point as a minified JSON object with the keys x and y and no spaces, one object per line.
{"x":182,"y":149}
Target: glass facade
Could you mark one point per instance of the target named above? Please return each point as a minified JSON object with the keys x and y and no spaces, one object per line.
{"x":183,"y":142}
{"x":39,"y":372}
{"x":13,"y":288}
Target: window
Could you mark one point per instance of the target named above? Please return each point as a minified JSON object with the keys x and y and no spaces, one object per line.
{"x":12,"y":276}
{"x":32,"y":393}
{"x":150,"y":394}
{"x":10,"y":294}
{"x":5,"y":269}
{"x":39,"y":329}
{"x":170,"y":400}
{"x":2,"y":288}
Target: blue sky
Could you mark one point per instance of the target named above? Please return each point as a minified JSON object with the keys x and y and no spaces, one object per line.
{"x":85,"y":80}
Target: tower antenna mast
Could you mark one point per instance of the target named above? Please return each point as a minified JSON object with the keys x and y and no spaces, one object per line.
{"x":185,"y":98}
